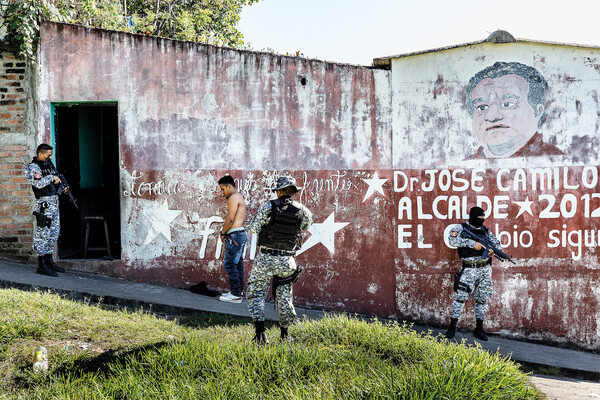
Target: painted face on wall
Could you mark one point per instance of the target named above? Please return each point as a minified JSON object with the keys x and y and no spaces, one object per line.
{"x":503,"y":119}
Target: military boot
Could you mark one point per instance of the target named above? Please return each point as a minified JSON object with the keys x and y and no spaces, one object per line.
{"x":285,"y":335}
{"x":43,"y":268}
{"x":451,"y":329}
{"x":261,"y":336}
{"x":478,"y":332}
{"x":53,"y":266}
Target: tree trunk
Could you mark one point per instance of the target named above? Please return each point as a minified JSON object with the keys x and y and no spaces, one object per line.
{"x":156,"y":15}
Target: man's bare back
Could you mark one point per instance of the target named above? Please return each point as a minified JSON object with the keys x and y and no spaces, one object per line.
{"x":236,"y":208}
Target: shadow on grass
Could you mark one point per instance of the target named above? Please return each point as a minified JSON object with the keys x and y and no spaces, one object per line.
{"x":102,"y":363}
{"x":209,"y":319}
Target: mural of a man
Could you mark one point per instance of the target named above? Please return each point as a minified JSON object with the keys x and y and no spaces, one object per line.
{"x":507,"y":103}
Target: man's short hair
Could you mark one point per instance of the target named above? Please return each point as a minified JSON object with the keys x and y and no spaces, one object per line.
{"x":227,"y":180}
{"x":289,"y":190}
{"x":42,"y":148}
{"x":537,"y":84}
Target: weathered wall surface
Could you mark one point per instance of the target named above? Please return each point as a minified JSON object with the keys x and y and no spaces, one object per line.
{"x":383,"y":159}
{"x":16,"y":143}
{"x":543,"y":205}
{"x":190,"y":113}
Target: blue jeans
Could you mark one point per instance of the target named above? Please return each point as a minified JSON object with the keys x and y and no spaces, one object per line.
{"x":234,"y":261}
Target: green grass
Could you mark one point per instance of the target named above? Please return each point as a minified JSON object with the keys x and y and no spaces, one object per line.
{"x":99,"y":353}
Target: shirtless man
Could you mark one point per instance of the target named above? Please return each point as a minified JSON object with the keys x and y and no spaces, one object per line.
{"x":234,"y":237}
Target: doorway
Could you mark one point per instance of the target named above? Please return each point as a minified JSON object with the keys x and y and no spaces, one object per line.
{"x":86,"y":138}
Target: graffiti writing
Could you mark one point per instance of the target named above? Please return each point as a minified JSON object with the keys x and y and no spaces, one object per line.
{"x":550,"y":196}
{"x":460,"y":180}
{"x":207,"y":231}
{"x":337,"y":182}
{"x":138,"y":188}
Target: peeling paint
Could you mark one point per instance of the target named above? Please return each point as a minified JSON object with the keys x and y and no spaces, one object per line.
{"x":382,"y":157}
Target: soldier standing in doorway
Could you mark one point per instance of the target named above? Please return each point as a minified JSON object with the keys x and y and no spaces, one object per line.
{"x":45,"y":185}
{"x":279,"y":224}
{"x":476,"y":272}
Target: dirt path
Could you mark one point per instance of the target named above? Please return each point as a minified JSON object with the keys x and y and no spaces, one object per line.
{"x":566,"y":389}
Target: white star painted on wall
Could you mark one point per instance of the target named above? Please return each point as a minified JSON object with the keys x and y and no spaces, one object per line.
{"x":323,"y":232}
{"x":375,"y":185}
{"x":161,"y":218}
{"x":525,"y":206}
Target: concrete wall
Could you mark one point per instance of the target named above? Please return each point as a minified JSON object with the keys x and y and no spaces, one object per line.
{"x":17,"y":115}
{"x":365,"y":144}
{"x":190,"y":113}
{"x":543,"y":207}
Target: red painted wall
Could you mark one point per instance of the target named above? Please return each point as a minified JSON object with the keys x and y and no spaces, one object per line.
{"x":190,"y":113}
{"x":549,"y":230}
{"x":541,"y":200}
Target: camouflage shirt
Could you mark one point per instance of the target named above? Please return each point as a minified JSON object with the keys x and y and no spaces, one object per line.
{"x":455,"y":239}
{"x":33,"y":173}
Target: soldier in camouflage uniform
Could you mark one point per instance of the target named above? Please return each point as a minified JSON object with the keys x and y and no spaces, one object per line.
{"x":279,"y":224}
{"x":45,"y":185}
{"x":476,"y":272}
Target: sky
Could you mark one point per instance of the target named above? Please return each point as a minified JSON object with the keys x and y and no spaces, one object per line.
{"x":356,"y":32}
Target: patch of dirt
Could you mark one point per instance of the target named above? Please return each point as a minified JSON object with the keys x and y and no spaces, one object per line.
{"x":566,"y":388}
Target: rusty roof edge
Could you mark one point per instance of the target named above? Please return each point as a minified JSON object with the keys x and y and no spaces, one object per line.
{"x":383,"y":61}
{"x":338,"y":63}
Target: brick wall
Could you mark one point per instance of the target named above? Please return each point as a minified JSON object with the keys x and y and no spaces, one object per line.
{"x":17,"y":144}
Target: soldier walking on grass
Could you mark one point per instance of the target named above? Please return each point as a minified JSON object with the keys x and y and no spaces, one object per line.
{"x":279,"y":224}
{"x":476,"y":272}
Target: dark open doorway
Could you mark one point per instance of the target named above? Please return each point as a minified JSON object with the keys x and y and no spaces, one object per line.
{"x":87,"y":154}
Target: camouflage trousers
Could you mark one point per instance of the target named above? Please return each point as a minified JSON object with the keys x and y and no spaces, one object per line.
{"x":479,"y":282}
{"x":44,"y":237}
{"x":264,"y":267}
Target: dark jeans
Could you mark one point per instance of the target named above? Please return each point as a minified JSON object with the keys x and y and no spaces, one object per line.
{"x":234,"y":261}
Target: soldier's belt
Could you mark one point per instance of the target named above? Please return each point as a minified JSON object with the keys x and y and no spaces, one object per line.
{"x":273,"y":252}
{"x":475,"y":264}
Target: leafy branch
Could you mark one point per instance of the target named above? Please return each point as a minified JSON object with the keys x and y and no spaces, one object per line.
{"x":205,"y":21}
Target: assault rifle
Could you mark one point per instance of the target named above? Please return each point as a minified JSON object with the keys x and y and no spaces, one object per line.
{"x":488,"y":245}
{"x":64,"y":185}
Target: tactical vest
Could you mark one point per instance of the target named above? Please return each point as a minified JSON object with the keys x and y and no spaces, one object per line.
{"x":50,"y":189}
{"x":464,"y":252}
{"x":283,"y":231}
